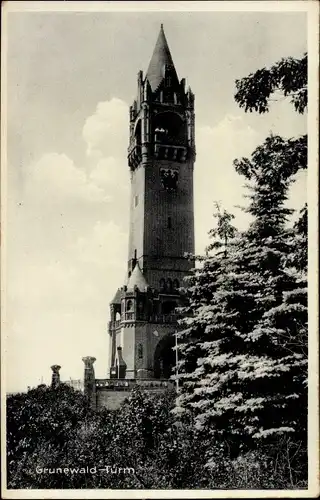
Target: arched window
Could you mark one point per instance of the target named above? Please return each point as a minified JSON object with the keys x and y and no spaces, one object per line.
{"x":170,"y":128}
{"x":168,"y":79}
{"x":169,"y":284}
{"x":137,"y":133}
{"x":140,"y":306}
{"x":134,"y":260}
{"x":129,"y":305}
{"x":140,"y":351}
{"x":168,"y":96}
{"x":162,"y":285}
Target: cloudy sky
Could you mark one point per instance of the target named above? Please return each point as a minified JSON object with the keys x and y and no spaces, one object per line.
{"x":71,"y":78}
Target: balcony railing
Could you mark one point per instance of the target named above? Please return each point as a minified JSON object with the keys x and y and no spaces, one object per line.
{"x":168,"y":140}
{"x":165,"y":318}
{"x":155,"y":318}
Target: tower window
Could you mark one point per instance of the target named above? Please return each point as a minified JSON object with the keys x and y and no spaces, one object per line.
{"x":173,"y":124}
{"x":168,"y":80}
{"x":137,"y":134}
{"x":168,"y":97}
{"x":140,"y":351}
{"x":129,"y":306}
{"x":169,"y":223}
{"x":162,"y":284}
{"x":175,"y":284}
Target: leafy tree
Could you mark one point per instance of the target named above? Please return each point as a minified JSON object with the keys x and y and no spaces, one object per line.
{"x":41,"y":419}
{"x":141,"y":436}
{"x":207,"y":323}
{"x":224,"y":231}
{"x":289,"y":76}
{"x":162,"y":454}
{"x":243,"y":369}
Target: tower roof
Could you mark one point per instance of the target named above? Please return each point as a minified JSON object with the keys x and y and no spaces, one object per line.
{"x":137,"y":279}
{"x":117,"y":298}
{"x":161,"y":58}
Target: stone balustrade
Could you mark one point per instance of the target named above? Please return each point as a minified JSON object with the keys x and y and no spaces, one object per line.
{"x":155,"y":318}
{"x":128,"y":384}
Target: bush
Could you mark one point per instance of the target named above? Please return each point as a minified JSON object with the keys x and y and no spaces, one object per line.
{"x":55,"y":428}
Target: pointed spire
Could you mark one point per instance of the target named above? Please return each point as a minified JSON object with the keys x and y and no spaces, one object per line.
{"x":161,"y":58}
{"x":117,"y":298}
{"x":137,"y":279}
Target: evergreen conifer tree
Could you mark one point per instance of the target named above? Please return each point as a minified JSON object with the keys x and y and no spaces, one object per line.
{"x":243,"y":348}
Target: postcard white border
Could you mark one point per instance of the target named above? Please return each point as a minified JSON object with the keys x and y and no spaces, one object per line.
{"x":312,"y":9}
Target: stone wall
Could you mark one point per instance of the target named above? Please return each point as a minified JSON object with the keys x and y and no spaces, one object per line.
{"x":110,"y":393}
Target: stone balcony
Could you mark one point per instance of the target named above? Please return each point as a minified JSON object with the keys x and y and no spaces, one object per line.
{"x":129,"y":317}
{"x":161,"y":147}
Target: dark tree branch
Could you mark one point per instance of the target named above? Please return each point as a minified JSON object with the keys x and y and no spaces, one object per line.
{"x":289,"y":75}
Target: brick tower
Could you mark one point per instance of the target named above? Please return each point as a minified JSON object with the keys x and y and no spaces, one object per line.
{"x":161,"y":157}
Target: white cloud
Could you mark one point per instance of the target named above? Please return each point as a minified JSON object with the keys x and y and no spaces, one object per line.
{"x":106,"y":131}
{"x":106,"y":135}
{"x":61,"y":306}
{"x":67,"y":253}
{"x":110,"y":173}
{"x":215,"y":176}
{"x":106,"y":247}
{"x":55,"y":178}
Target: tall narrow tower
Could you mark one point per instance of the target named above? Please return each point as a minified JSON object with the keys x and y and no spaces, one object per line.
{"x":161,"y":157}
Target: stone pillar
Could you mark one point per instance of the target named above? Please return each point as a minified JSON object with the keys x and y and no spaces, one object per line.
{"x":89,"y":379}
{"x":55,"y":380}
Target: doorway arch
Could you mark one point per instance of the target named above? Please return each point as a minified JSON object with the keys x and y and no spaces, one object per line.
{"x":165,"y":357}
